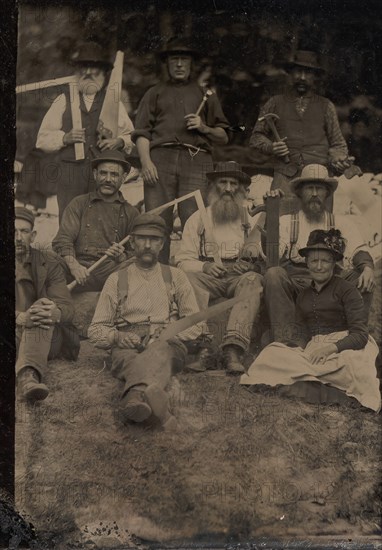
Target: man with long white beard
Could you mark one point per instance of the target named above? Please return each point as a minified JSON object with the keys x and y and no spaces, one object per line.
{"x":211,"y":257}
{"x":282,"y":284}
{"x":57,"y":135}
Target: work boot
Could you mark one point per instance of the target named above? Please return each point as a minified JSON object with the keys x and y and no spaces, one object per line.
{"x":135,"y":407}
{"x":158,"y":401}
{"x":205,"y":360}
{"x":232,"y":357}
{"x":29,"y":386}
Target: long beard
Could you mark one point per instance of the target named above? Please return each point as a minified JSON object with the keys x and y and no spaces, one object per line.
{"x":314,"y":210}
{"x":223,"y":210}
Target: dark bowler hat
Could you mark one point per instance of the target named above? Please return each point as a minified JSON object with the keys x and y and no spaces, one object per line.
{"x":92,"y":54}
{"x":112,"y":156}
{"x":230,"y":168}
{"x":331,"y":240}
{"x":149,"y":224}
{"x":24,"y":214}
{"x":304,"y":58}
{"x":179,"y":46}
{"x":313,"y":173}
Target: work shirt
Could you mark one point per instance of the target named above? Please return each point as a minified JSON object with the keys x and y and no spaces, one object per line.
{"x":90,"y":225}
{"x":50,"y":135}
{"x":147,"y":300}
{"x":337,"y":307}
{"x":354,"y":241}
{"x":226,"y":239}
{"x":161,"y":112}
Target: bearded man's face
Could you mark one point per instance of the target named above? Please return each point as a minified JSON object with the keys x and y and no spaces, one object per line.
{"x":313,"y":196}
{"x":225,"y":198}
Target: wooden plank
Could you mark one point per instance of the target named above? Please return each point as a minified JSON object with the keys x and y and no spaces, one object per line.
{"x":34,"y":86}
{"x":76,"y":118}
{"x":272,"y":225}
{"x":110,"y":107}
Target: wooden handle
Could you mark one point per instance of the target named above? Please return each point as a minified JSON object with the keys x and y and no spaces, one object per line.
{"x":76,"y":118}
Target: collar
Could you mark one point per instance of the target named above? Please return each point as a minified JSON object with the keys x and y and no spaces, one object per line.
{"x":293,"y":95}
{"x":313,"y":286}
{"x":95,"y":196}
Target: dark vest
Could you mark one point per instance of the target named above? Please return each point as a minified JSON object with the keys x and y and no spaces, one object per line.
{"x":306,"y":136}
{"x":89,"y":122}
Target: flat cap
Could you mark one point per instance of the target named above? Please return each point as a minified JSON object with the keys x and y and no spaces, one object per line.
{"x":24,"y":214}
{"x":149,"y":224}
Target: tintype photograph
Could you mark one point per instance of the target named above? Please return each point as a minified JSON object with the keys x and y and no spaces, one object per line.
{"x":197,"y":198}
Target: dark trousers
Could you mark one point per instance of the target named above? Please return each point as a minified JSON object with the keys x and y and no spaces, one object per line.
{"x":36,"y":346}
{"x":179,"y":174}
{"x":281,"y":287}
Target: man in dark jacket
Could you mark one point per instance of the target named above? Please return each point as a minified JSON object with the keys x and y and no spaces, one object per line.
{"x":93,"y":224}
{"x":308,"y":127}
{"x":43,"y":311}
{"x":174,"y":142}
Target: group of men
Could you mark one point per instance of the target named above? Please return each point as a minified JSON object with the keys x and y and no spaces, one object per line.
{"x":176,"y":126}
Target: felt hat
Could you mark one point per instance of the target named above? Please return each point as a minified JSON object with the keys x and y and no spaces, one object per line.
{"x":149,"y":224}
{"x":24,"y":214}
{"x":112,"y":156}
{"x":230,"y":168}
{"x":331,"y":240}
{"x":306,"y":59}
{"x":92,"y":54}
{"x":316,"y":173}
{"x":179,"y":46}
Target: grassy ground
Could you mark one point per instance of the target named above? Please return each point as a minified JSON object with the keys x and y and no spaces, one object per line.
{"x":243,"y":464}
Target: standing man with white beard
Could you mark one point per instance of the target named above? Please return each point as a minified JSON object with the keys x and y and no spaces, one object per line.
{"x":57,"y":135}
{"x":230,"y":225}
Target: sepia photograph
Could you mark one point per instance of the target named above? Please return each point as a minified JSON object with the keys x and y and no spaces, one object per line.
{"x":192,"y":275}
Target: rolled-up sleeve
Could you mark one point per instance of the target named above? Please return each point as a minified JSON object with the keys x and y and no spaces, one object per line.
{"x":260,"y":138}
{"x":50,"y":135}
{"x":125,"y":128}
{"x":187,"y":305}
{"x":145,"y":119}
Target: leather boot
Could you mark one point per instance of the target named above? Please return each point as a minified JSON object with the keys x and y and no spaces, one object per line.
{"x":134,"y":406}
{"x":158,"y":401}
{"x":232,"y":357}
{"x":29,"y":386}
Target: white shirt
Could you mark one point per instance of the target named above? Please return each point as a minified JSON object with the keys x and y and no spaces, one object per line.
{"x":50,"y":135}
{"x":227,"y":240}
{"x":350,"y":232}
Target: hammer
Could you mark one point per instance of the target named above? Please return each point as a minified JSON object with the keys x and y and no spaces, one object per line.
{"x":270,"y":120}
{"x":205,"y":97}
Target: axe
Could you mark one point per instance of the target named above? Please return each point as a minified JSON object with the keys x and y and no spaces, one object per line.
{"x":270,"y":118}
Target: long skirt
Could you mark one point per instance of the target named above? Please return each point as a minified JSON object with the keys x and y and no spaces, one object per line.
{"x":352,"y":371}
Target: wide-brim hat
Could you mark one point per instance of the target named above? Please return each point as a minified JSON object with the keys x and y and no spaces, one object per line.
{"x":231,"y":169}
{"x":92,"y":54}
{"x":307,"y":59}
{"x":316,"y":173}
{"x":150,"y":225}
{"x":112,"y":156}
{"x":179,"y":46}
{"x":24,"y":214}
{"x":331,"y":241}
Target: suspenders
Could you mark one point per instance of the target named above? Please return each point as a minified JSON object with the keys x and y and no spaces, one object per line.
{"x":295,"y":228}
{"x":123,"y":288}
{"x":202,"y":232}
